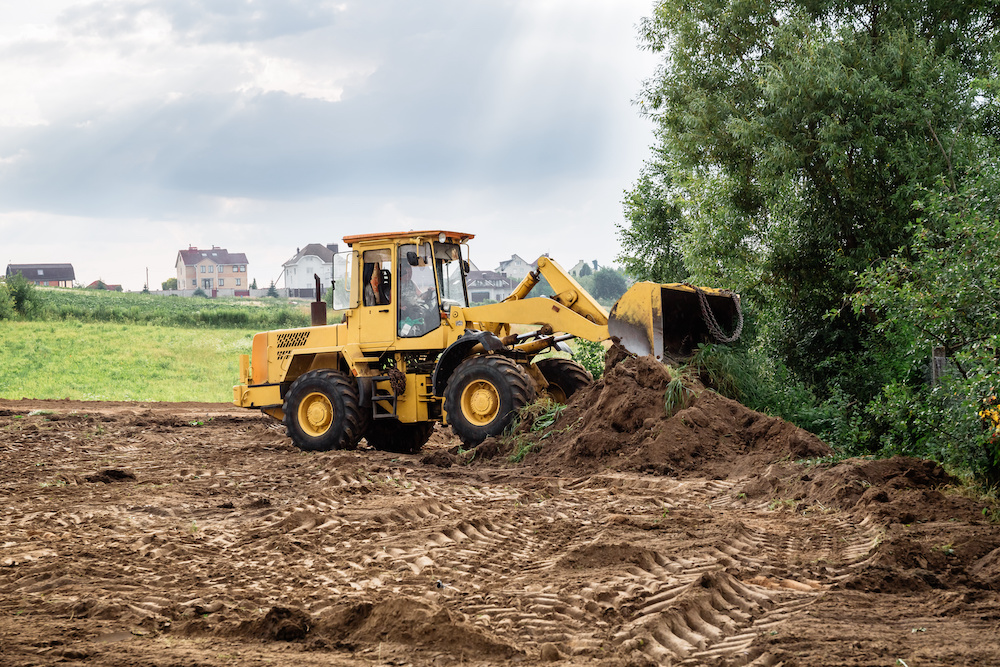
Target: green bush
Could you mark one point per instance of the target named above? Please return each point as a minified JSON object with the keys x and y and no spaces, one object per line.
{"x":590,"y":355}
{"x":6,"y":303}
{"x":23,"y":295}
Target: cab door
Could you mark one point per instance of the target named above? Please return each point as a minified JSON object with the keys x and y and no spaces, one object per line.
{"x":377,"y":312}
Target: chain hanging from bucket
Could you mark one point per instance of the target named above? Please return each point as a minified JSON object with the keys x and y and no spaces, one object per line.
{"x":713,"y":324}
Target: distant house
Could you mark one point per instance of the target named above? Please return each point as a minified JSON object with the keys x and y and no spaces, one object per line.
{"x":99,"y":284}
{"x":49,"y":275}
{"x":515,"y":267}
{"x":313,"y":260}
{"x":578,"y":268}
{"x":216,"y":271}
{"x":488,"y":286}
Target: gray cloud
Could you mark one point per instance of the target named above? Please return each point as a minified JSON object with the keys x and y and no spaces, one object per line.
{"x":433,"y":115}
{"x":279,"y":146}
{"x":204,"y":20}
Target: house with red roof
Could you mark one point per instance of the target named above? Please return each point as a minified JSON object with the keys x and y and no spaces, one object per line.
{"x":216,"y":271}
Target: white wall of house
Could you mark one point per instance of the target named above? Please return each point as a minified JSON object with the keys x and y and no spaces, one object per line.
{"x":300,"y":275}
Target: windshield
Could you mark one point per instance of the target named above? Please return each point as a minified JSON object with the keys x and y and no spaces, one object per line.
{"x":451,"y":277}
{"x":418,"y":299}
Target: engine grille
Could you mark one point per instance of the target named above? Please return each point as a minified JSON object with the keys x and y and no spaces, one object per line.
{"x":289,"y":341}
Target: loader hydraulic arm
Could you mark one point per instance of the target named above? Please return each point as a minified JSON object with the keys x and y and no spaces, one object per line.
{"x":571,"y":310}
{"x":568,"y":292}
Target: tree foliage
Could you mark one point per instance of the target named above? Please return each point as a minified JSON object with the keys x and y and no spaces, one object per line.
{"x":650,"y":235}
{"x":793,"y":138}
{"x":169,"y":284}
{"x":945,"y":291}
{"x":609,"y":284}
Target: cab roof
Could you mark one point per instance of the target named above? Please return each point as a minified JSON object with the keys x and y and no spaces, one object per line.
{"x":454,"y":237}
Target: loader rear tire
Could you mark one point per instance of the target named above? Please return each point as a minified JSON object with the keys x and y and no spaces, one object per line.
{"x":483,"y":396}
{"x":389,"y":435}
{"x":322,"y":411}
{"x":565,"y":377}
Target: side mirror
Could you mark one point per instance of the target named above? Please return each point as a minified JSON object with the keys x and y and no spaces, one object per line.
{"x":465,"y":267}
{"x":412,"y":259}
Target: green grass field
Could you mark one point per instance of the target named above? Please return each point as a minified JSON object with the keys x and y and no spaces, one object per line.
{"x":126,"y":307}
{"x":119,"y":362}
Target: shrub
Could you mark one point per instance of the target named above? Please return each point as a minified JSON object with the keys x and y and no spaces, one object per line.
{"x":591,"y":356}
{"x":6,"y":303}
{"x":24,"y":296}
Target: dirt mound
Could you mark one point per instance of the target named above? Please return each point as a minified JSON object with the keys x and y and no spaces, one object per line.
{"x":110,"y":476}
{"x":897,"y":490}
{"x":622,"y":423}
{"x":410,"y":621}
{"x":280,"y":624}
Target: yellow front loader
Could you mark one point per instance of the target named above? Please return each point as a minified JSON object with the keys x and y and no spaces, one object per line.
{"x":411,"y":351}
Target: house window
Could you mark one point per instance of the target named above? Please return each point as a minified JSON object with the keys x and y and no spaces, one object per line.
{"x":203,"y":268}
{"x":243,"y":268}
{"x":211,"y":268}
{"x":239,"y":281}
{"x":236,"y":268}
{"x":222,"y":282}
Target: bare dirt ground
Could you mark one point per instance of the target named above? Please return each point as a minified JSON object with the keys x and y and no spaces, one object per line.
{"x":195,"y":534}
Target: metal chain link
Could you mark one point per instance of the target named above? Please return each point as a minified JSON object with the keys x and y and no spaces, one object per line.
{"x":713,"y":324}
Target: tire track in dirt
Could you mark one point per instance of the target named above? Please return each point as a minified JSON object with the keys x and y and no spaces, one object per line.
{"x":663,"y":605}
{"x":217,"y":527}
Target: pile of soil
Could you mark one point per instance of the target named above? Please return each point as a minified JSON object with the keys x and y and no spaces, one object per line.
{"x":622,"y":423}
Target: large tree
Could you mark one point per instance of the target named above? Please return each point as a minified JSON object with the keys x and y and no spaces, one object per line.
{"x":793,"y":140}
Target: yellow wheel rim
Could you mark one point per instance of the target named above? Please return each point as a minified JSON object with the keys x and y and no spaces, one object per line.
{"x":556,"y":393}
{"x":480,"y":402}
{"x":315,"y":414}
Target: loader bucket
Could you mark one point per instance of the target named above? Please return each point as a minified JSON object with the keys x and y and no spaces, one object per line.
{"x":670,"y":320}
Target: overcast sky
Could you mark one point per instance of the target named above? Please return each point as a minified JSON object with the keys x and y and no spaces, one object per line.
{"x":130,"y":129}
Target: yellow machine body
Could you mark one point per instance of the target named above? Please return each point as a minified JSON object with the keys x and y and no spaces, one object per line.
{"x":403,"y":365}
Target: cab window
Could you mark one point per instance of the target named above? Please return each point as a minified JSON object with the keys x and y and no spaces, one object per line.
{"x":376,"y":277}
{"x":419,"y":311}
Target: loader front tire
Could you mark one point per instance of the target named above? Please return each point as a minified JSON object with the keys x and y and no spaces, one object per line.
{"x":389,"y":435}
{"x":565,"y":377}
{"x":322,"y":411}
{"x":483,"y":396}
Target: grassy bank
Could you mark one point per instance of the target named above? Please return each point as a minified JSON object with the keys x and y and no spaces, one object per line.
{"x":135,"y":308}
{"x":119,"y":362}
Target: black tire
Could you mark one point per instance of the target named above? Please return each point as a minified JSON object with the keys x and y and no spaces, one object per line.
{"x":565,"y":377}
{"x":483,"y":395}
{"x":389,"y":435}
{"x":322,"y":411}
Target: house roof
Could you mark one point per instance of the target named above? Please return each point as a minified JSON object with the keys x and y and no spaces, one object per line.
{"x":193,"y":256}
{"x":317,"y":249}
{"x":60,"y":272}
{"x":475,"y":277}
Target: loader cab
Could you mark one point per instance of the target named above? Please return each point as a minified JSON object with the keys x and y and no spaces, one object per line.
{"x":407,"y":283}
